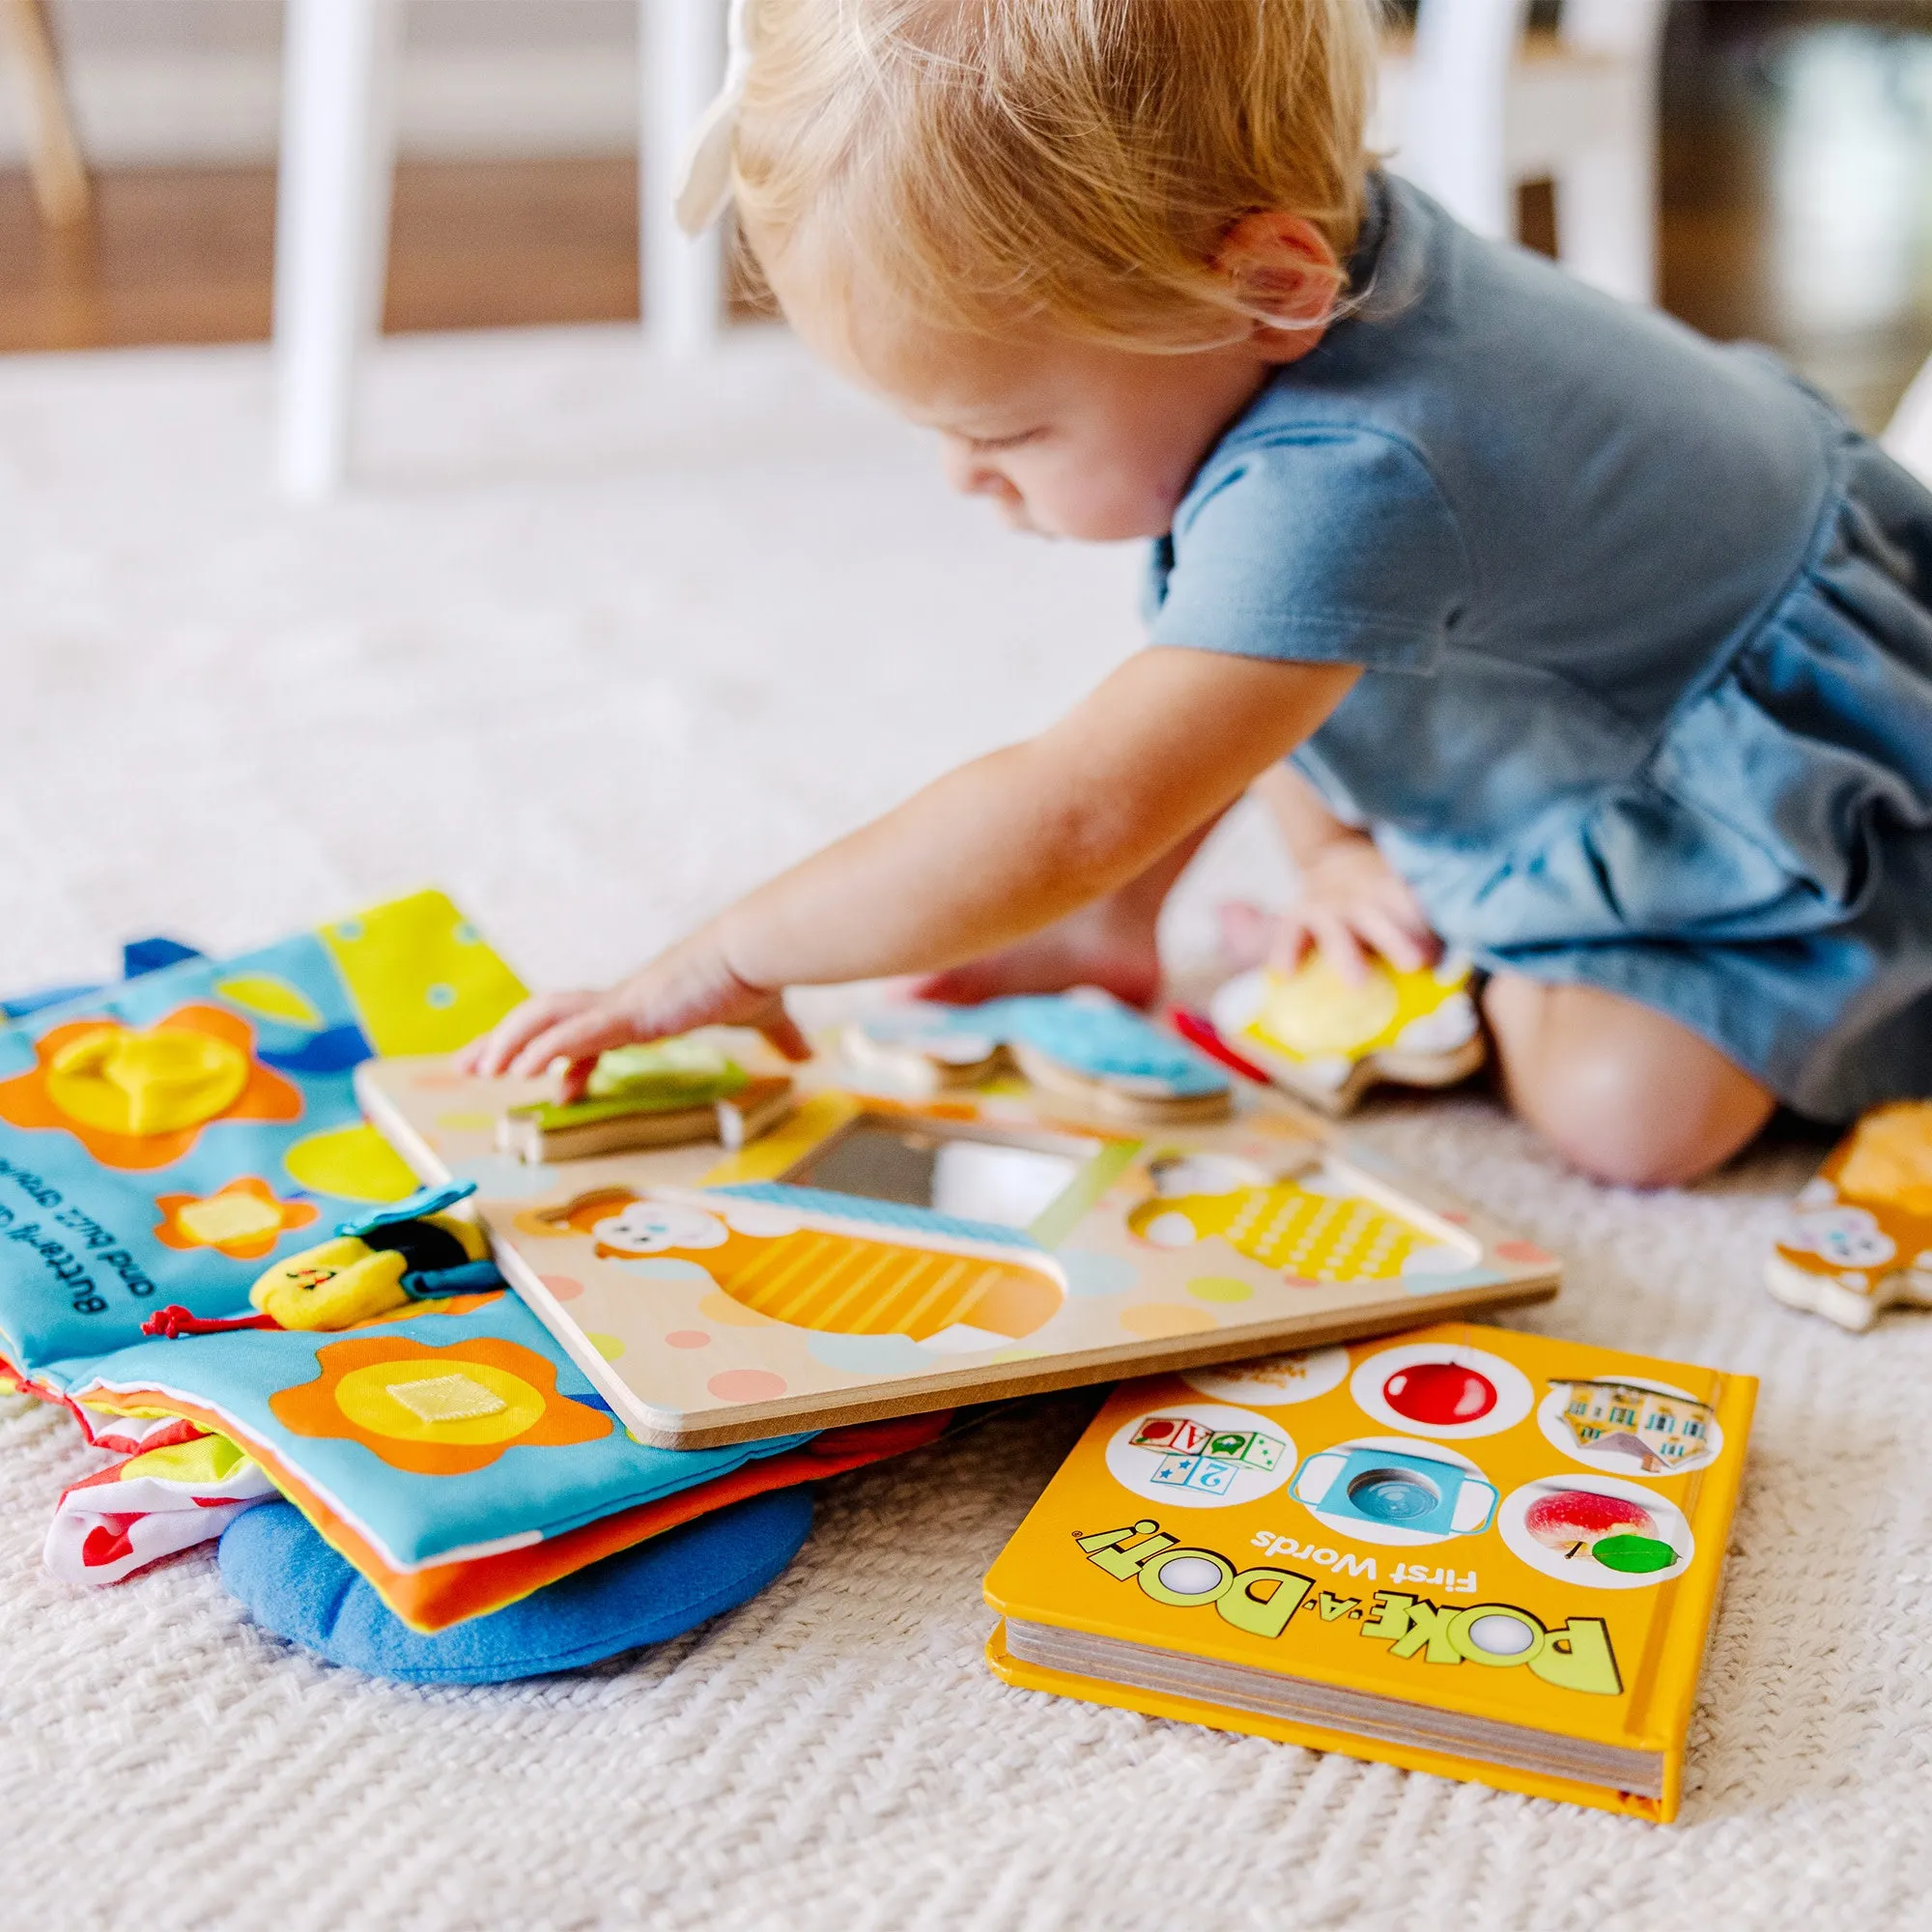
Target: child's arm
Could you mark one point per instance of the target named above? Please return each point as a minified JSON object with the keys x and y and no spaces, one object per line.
{"x":994,"y":850}
{"x":1351,"y":897}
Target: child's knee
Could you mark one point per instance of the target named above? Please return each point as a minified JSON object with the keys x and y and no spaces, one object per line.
{"x":1624,"y":1093}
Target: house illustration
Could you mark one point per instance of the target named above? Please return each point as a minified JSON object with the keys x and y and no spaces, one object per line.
{"x":1660,"y":1429}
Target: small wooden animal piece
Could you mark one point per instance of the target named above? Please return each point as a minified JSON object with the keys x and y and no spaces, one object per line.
{"x":1859,"y":1238}
{"x":924,"y":1048}
{"x":664,"y":1094}
{"x":1085,"y":1045}
{"x":1326,"y":1041}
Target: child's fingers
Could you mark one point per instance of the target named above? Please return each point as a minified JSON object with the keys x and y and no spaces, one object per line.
{"x":494,"y":1054}
{"x":784,"y":1034}
{"x":576,"y":1079}
{"x":1397,"y":898}
{"x":1339,"y":946}
{"x":1292,"y":941}
{"x":580,"y":1037}
{"x":1397,"y":942}
{"x":782,"y":1031}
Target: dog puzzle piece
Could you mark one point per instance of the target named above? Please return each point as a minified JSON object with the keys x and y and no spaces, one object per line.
{"x":1328,"y":1041}
{"x":295,"y":1586}
{"x":1859,"y":1239}
{"x":1085,"y":1045}
{"x":666,"y":1093}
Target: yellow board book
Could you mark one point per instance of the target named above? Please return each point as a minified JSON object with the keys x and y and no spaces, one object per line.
{"x":1458,"y":1549}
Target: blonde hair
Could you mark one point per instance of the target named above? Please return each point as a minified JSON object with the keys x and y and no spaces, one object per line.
{"x":1072,"y":162}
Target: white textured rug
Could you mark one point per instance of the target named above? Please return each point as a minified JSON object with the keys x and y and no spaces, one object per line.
{"x":594,"y":647}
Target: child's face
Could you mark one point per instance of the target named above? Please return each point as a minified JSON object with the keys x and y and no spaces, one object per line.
{"x":1076,"y":439}
{"x":1068,"y":439}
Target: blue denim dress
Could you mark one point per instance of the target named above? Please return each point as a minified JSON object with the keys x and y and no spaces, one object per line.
{"x":1647,"y":638}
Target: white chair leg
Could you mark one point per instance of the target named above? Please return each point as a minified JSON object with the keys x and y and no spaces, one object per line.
{"x":681,"y":44}
{"x":1454,"y":141}
{"x":54,"y":152}
{"x":1607,"y":214}
{"x":1908,"y":437}
{"x":331,"y":225}
{"x":1607,"y":195}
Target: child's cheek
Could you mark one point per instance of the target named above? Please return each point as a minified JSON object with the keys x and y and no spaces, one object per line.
{"x":1107,"y":503}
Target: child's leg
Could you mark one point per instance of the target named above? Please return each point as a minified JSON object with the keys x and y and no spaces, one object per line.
{"x":1623,"y":1091}
{"x":1110,"y":942}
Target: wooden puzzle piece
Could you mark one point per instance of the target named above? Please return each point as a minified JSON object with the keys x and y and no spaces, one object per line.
{"x":1084,"y":1045}
{"x":1860,"y":1236}
{"x":664,"y":1094}
{"x":1328,"y":1041}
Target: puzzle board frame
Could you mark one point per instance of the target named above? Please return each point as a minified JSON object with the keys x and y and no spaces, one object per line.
{"x":685,"y":1365}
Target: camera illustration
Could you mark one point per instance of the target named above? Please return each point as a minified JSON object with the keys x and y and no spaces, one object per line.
{"x":1391,"y":1486}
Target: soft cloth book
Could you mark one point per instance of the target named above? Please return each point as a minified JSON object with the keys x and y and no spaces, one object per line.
{"x":1460,"y":1549}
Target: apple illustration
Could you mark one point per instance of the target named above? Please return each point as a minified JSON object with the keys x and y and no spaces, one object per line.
{"x":1573,"y":1520}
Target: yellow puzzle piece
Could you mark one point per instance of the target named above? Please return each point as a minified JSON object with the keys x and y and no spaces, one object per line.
{"x":1327,"y":1040}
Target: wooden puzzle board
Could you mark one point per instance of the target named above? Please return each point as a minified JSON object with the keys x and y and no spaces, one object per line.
{"x":793,"y":1302}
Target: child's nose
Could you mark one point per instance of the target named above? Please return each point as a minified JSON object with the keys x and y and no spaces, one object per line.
{"x":974,"y":476}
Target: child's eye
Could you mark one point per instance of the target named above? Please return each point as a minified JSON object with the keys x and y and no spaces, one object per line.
{"x":989,"y":443}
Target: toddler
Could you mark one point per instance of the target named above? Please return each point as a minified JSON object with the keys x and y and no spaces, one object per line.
{"x":1546,"y":627}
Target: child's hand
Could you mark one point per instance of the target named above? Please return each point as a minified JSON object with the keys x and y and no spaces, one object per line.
{"x":692,"y":986}
{"x":1353,"y":903}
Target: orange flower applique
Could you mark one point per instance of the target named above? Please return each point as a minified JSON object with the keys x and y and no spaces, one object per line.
{"x":138,"y":1098}
{"x":435,"y":1412}
{"x":243,"y":1220}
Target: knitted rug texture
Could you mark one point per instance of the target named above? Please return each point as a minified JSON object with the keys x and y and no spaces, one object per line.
{"x":595,"y":645}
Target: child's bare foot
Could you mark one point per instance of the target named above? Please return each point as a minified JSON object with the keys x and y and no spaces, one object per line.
{"x":1101,"y":945}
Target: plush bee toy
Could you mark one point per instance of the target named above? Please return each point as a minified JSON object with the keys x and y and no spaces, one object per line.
{"x":413,"y":1251}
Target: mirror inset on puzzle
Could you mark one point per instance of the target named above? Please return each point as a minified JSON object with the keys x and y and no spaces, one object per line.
{"x":949,"y":1168}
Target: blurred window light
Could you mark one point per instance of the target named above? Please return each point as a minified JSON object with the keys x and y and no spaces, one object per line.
{"x":1854,"y":178}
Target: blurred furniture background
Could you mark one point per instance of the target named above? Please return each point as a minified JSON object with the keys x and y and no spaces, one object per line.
{"x":1474,"y":105}
{"x":1793,"y":158}
{"x":332,"y":221}
{"x":1909,"y":435}
{"x":54,"y":152}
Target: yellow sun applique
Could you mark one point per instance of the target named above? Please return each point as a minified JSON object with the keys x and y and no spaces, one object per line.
{"x":437,"y":1411}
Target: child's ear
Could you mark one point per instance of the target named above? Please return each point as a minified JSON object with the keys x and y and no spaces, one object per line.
{"x":1286,"y":276}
